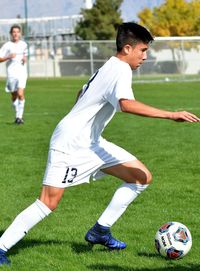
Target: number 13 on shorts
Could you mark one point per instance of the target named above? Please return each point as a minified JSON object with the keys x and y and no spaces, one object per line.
{"x":71,"y":173}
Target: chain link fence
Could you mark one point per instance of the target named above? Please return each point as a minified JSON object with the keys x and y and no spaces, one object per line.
{"x":168,"y":58}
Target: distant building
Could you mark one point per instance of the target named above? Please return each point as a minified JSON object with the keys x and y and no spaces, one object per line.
{"x":60,"y":27}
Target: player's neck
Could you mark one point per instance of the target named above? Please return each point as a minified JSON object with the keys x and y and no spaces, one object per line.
{"x":15,"y":41}
{"x":122,"y":57}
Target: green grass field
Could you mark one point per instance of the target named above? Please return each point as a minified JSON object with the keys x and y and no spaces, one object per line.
{"x":169,"y":149}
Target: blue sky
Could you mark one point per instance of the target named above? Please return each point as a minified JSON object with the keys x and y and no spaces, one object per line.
{"x":130,"y":8}
{"x":38,"y":8}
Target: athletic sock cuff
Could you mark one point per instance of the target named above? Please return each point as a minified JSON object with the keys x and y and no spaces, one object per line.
{"x":15,"y":103}
{"x":22,"y":102}
{"x":100,"y":228}
{"x":44,"y":209}
{"x":138,"y":188}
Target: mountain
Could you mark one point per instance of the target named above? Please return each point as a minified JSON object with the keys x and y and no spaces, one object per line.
{"x":45,"y":8}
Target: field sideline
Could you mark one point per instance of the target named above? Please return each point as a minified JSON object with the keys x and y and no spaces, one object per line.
{"x":169,"y":149}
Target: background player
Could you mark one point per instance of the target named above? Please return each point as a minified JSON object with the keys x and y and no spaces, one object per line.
{"x":14,"y":52}
{"x":77,"y":150}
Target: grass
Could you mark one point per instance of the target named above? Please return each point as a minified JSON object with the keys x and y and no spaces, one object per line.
{"x":170,"y":150}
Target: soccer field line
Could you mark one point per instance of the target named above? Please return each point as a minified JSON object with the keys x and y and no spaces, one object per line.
{"x":38,"y":114}
{"x":43,"y":113}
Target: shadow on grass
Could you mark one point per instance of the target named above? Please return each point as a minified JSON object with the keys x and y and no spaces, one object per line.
{"x":105,"y":267}
{"x":80,"y":248}
{"x":77,"y":247}
{"x":25,"y":244}
{"x":12,"y":124}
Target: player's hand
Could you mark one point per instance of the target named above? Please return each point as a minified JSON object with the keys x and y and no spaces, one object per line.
{"x":184,"y":116}
{"x":23,"y":61}
{"x":11,"y":56}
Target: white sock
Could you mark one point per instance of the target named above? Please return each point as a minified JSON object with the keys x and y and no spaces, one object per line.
{"x":15,"y":106}
{"x":23,"y":223}
{"x":20,"y":109}
{"x":123,"y":196}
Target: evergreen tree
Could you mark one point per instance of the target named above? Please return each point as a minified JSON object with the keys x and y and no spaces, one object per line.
{"x":100,"y":22}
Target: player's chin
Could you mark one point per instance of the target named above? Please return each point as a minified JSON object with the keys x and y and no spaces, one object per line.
{"x":135,"y":67}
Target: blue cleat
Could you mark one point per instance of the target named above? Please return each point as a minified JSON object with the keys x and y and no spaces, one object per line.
{"x":3,"y":258}
{"x":101,"y":235}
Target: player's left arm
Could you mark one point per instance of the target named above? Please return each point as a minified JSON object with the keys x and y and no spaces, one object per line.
{"x":24,"y":59}
{"x":25,"y":53}
{"x":138,"y":108}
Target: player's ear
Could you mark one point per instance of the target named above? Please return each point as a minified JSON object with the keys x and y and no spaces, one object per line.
{"x":127,"y":49}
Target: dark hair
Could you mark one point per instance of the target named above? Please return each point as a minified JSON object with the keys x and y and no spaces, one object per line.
{"x":132,"y":33}
{"x":15,"y":26}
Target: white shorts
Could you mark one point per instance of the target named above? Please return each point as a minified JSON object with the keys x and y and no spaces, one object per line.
{"x":64,"y":170}
{"x":13,"y":84}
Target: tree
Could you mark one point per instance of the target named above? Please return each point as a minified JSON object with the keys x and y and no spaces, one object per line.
{"x":101,"y":21}
{"x":173,"y":18}
{"x":98,"y":23}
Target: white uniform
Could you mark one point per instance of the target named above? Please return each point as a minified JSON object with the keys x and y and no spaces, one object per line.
{"x":16,"y":70}
{"x":77,"y":149}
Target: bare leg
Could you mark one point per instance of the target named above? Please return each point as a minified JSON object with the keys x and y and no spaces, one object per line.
{"x":130,"y":172}
{"x":136,"y":177}
{"x":15,"y":103}
{"x":51,"y":196}
{"x":27,"y":219}
{"x":21,"y":104}
{"x":14,"y":96}
{"x":20,"y":94}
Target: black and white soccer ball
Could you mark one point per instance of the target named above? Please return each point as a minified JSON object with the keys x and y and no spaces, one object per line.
{"x":173,"y":240}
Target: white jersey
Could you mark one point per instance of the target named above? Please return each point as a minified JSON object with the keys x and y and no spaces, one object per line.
{"x":15,"y":67}
{"x":97,"y":104}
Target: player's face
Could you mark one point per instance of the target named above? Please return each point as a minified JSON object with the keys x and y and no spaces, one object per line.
{"x":16,"y":34}
{"x":137,"y":54}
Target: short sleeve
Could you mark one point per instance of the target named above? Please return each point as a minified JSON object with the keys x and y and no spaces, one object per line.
{"x":122,"y":88}
{"x":3,"y":51}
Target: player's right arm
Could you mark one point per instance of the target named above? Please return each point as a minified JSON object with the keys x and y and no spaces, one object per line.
{"x":138,"y":108}
{"x":10,"y":56}
{"x":5,"y":53}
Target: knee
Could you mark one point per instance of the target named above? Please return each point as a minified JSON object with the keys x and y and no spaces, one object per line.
{"x":148,"y":177}
{"x":20,"y":94}
{"x":145,"y":177}
{"x":21,"y":97}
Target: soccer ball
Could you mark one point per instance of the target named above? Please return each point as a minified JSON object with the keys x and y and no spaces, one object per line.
{"x":173,"y":240}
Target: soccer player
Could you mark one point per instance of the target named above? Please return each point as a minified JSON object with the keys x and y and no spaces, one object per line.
{"x":14,"y":52}
{"x":78,"y":152}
